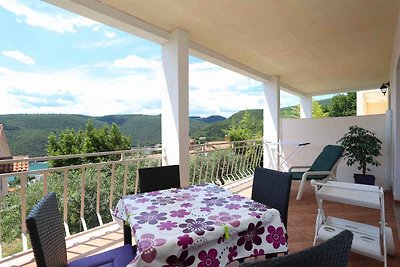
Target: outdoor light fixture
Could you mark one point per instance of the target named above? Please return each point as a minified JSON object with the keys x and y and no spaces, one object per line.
{"x":385,"y":87}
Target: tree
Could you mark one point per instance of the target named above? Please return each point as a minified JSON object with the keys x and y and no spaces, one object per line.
{"x":244,"y":130}
{"x":362,"y":147}
{"x":317,"y":111}
{"x":343,"y":105}
{"x":89,"y":140}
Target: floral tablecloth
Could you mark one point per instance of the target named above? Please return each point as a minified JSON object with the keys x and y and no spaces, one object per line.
{"x":202,"y":225}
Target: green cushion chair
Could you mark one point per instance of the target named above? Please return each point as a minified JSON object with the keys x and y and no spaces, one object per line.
{"x":324,"y":167}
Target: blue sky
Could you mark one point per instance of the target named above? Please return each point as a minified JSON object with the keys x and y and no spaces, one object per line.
{"x":54,"y":61}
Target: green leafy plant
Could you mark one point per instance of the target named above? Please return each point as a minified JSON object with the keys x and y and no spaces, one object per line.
{"x":361,"y":146}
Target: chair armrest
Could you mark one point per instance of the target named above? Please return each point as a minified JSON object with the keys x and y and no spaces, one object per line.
{"x":298,"y":167}
{"x":306,"y":174}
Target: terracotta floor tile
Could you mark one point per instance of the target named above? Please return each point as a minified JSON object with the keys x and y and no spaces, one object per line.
{"x":298,"y":246}
{"x":294,"y":235}
{"x":301,"y":226}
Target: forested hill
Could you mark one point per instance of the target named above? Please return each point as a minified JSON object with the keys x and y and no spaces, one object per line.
{"x":27,"y":133}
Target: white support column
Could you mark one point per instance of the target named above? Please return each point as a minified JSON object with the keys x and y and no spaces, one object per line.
{"x":271,"y":123}
{"x":306,"y":107}
{"x":175,"y":103}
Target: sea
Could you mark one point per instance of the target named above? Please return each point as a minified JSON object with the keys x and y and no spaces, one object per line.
{"x":32,"y":167}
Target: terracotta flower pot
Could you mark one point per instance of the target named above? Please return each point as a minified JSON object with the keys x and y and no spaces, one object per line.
{"x":364,"y":179}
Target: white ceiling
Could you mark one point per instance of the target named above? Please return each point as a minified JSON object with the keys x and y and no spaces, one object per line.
{"x":315,"y":46}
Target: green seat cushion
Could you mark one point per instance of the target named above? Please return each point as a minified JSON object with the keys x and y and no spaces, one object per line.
{"x":327,"y":158}
{"x":299,"y":175}
{"x":324,"y":162}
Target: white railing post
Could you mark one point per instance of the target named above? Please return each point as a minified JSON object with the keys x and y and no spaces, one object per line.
{"x":23,"y":178}
{"x":125,"y":179}
{"x":65,"y":202}
{"x":82,"y":213}
{"x":98,"y":174}
{"x":45,"y":184}
{"x":111,"y":207}
{"x":1,"y":236}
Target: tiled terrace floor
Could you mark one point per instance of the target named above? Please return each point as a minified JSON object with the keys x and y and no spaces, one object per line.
{"x":300,"y":226}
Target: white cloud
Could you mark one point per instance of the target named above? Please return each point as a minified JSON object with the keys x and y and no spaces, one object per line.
{"x":92,"y":96}
{"x":101,"y":43}
{"x":110,"y":34}
{"x":60,"y":23}
{"x":213,"y":90}
{"x":135,"y":62}
{"x":19,"y":56}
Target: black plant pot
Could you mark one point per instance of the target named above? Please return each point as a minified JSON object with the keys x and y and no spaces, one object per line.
{"x":364,"y":179}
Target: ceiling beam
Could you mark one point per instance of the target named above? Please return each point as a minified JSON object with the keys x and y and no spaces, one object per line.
{"x":344,"y":90}
{"x":102,"y":13}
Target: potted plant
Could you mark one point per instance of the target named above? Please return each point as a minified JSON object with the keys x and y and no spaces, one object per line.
{"x":362,"y":147}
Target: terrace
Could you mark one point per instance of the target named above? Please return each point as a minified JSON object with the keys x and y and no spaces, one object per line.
{"x":302,"y":48}
{"x":100,"y":184}
{"x":301,"y":227}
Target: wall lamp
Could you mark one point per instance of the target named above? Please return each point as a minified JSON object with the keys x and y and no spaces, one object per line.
{"x":384,"y":87}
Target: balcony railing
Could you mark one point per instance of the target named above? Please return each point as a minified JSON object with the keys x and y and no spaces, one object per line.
{"x":224,"y":162}
{"x":88,"y":185}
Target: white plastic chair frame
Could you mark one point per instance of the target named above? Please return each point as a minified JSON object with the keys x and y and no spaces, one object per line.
{"x":331,"y":175}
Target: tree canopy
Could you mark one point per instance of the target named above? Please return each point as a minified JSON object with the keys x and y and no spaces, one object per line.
{"x":245,"y":129}
{"x":89,"y":140}
{"x":343,"y":105}
{"x":317,"y":110}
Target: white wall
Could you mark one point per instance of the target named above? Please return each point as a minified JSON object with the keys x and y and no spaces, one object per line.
{"x":394,"y":104}
{"x":321,"y":132}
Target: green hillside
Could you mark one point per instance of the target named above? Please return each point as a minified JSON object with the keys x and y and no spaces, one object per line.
{"x":27,"y":133}
{"x":215,"y":131}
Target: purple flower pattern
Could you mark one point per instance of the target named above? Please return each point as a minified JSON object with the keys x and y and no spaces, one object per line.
{"x":184,"y":241}
{"x":252,"y":235}
{"x":206,"y":209}
{"x":208,"y":259}
{"x":225,"y":218}
{"x":153,"y":193}
{"x":142,"y":200}
{"x":232,"y":206}
{"x":186,"y":205}
{"x":232,"y":253}
{"x":258,"y":252}
{"x":147,"y":246}
{"x":236,"y":197}
{"x":214,"y":201}
{"x":151,"y":217}
{"x":178,"y":213}
{"x":163,"y":201}
{"x":276,"y":236}
{"x":168,"y":225}
{"x":182,"y":261}
{"x":255,"y":206}
{"x":198,"y":226}
{"x":201,"y":209}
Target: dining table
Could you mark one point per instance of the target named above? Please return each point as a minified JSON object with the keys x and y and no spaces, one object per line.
{"x":199,"y":225}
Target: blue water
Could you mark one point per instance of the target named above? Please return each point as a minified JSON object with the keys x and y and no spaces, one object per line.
{"x":32,"y":167}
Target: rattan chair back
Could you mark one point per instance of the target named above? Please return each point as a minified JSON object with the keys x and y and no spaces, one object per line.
{"x":159,"y":178}
{"x":272,"y":188}
{"x":332,"y":253}
{"x":47,"y":233}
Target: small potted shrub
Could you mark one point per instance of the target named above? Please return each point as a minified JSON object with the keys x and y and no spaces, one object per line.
{"x":361,"y":147}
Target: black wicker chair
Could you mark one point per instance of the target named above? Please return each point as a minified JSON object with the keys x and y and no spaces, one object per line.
{"x":47,"y":234}
{"x":332,"y":253}
{"x":272,"y":188}
{"x":153,"y":179}
{"x":159,"y":178}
